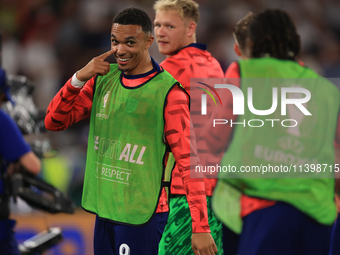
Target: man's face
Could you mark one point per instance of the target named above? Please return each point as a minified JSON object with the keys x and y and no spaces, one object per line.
{"x":132,"y":46}
{"x":170,"y":32}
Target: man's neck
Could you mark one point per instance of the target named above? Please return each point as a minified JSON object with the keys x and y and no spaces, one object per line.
{"x":143,"y":67}
{"x":192,"y":40}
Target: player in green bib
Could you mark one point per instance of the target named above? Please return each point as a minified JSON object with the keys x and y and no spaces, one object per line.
{"x":131,"y":106}
{"x":288,"y":213}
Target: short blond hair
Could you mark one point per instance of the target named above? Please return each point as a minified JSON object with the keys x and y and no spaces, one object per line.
{"x":187,"y":9}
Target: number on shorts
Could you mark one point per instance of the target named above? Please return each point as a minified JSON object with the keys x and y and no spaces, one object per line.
{"x":124,"y":249}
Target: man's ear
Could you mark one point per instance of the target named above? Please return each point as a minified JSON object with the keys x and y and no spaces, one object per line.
{"x":191,"y":28}
{"x":237,"y":50}
{"x":149,"y":41}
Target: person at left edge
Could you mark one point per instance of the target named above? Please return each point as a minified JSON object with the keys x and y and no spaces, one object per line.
{"x":13,"y":151}
{"x":131,"y":104}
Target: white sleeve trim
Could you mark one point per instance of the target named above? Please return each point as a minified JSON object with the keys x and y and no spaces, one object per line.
{"x":75,"y":82}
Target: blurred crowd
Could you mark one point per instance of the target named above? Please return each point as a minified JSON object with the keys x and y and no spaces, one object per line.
{"x":49,"y":40}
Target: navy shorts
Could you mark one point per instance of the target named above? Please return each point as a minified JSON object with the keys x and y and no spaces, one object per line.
{"x":335,"y":249}
{"x":117,"y":239}
{"x":282,"y":229}
{"x":230,"y":241}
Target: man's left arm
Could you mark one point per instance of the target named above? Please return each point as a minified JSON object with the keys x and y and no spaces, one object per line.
{"x":14,"y":148}
{"x":177,"y":135}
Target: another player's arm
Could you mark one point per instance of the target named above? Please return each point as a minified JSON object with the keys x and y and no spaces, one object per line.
{"x":337,"y":157}
{"x":337,"y":134}
{"x":218,"y":137}
{"x":74,"y":100}
{"x":177,"y":111}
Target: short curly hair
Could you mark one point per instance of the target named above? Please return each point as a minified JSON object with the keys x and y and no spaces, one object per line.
{"x":134,"y":16}
{"x":273,"y":33}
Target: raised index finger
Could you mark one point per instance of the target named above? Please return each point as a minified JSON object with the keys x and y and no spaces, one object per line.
{"x":106,"y":54}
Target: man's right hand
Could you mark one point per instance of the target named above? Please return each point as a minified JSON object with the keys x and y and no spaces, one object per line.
{"x":203,"y":244}
{"x":97,"y":65}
